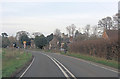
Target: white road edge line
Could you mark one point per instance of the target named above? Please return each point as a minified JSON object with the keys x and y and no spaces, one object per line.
{"x":27,"y":68}
{"x":96,"y":65}
{"x":92,"y":63}
{"x":105,"y":68}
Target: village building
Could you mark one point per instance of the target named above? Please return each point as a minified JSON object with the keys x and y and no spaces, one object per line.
{"x":53,"y":44}
{"x":32,"y":44}
{"x":59,"y":44}
{"x":65,"y":38}
{"x":110,"y":34}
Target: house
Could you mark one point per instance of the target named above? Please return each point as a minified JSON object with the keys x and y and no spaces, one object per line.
{"x":110,"y":34}
{"x":65,"y":38}
{"x":58,"y":42}
{"x":71,"y":39}
{"x":32,"y":44}
{"x":53,"y":44}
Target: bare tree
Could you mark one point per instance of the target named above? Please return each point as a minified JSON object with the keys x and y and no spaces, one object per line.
{"x":36,"y":34}
{"x":106,"y":23}
{"x":71,"y":30}
{"x":118,"y":15}
{"x":68,"y":28}
{"x":12,"y":40}
{"x":87,"y":29}
{"x":95,"y":31}
{"x":20,"y":33}
{"x":4,"y":34}
{"x":102,"y":23}
{"x":77,"y":33}
{"x":109,"y":22}
{"x":57,"y":32}
{"x":116,"y":22}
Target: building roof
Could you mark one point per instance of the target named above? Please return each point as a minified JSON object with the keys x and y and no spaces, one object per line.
{"x":112,"y":34}
{"x":53,"y":41}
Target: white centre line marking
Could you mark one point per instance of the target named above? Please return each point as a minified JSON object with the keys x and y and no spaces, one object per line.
{"x":65,"y":74}
{"x":65,"y":69}
{"x":60,"y":69}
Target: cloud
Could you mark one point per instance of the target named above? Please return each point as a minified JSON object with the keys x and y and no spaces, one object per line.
{"x":52,"y":19}
{"x":119,"y":6}
{"x":46,"y":24}
{"x":16,"y":16}
{"x":45,"y":9}
{"x":59,"y":0}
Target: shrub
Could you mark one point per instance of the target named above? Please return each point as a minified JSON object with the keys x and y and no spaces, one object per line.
{"x":108,"y":49}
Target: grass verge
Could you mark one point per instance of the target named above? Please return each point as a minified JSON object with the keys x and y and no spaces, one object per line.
{"x":12,"y":60}
{"x":103,"y":61}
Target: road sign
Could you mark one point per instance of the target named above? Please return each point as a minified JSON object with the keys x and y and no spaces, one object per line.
{"x":24,"y":42}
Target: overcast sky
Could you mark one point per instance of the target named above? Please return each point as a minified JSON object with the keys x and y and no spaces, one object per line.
{"x":45,"y":16}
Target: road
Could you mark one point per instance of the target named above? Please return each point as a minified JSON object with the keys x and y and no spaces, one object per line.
{"x":56,"y":65}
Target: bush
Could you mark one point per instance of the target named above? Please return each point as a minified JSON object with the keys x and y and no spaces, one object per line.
{"x":5,"y":42}
{"x":40,"y":41}
{"x":98,"y":47}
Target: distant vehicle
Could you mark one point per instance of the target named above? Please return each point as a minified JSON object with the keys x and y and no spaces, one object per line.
{"x":14,"y":45}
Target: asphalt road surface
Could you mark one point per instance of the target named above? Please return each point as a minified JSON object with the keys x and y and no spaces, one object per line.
{"x":56,"y":65}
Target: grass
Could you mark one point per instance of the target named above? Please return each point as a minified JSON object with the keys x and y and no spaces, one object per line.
{"x":103,"y":61}
{"x":12,"y":60}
